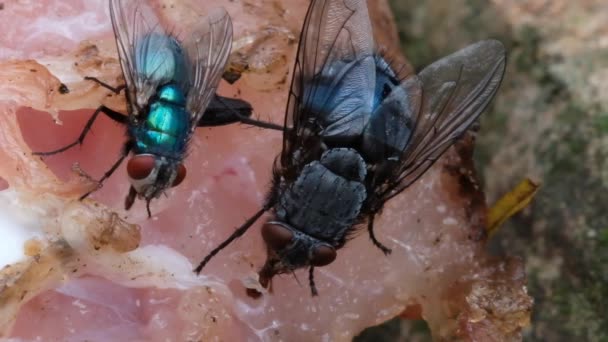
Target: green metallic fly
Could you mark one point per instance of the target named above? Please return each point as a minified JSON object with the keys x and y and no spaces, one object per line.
{"x":170,"y":91}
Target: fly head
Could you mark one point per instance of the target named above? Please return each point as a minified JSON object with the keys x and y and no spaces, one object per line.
{"x":151,"y":175}
{"x":289,"y":249}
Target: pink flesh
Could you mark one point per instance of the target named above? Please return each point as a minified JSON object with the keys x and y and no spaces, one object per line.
{"x":434,"y":227}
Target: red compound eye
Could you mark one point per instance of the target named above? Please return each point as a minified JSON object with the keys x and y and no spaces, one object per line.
{"x":323,"y":255}
{"x":140,"y":166}
{"x":181,"y":174}
{"x":276,"y":236}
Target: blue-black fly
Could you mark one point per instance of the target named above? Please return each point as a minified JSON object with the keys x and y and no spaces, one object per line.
{"x":170,"y":91}
{"x":357,"y":134}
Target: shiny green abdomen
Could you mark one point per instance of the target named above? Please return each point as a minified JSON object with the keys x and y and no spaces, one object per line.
{"x":165,"y":129}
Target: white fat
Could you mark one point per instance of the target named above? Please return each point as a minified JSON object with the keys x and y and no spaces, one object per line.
{"x":18,"y":224}
{"x":149,"y":266}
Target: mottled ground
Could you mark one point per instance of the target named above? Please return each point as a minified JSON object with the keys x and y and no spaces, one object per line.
{"x":549,"y":122}
{"x":85,"y":275}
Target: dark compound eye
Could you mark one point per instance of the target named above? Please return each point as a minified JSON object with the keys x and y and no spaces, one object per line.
{"x":140,"y":166}
{"x":322,"y":255}
{"x":276,"y":236}
{"x":181,"y":174}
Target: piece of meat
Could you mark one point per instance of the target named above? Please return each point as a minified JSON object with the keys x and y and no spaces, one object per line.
{"x":78,"y":271}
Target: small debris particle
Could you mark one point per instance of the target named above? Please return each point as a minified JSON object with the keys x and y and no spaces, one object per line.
{"x":63,"y":89}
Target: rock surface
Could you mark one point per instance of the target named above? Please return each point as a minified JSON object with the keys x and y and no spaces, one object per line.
{"x":97,"y":277}
{"x":549,"y":122}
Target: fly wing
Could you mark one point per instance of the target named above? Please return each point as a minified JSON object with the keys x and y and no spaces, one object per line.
{"x":207,"y":48}
{"x":391,"y":124}
{"x":455,"y":91}
{"x":333,"y":79}
{"x":149,"y":56}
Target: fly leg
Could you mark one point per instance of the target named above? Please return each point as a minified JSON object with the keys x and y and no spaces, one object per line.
{"x":237,"y":233}
{"x":259,"y":123}
{"x":224,"y":110}
{"x":116,"y":116}
{"x":148,"y":208}
{"x":130,"y":199}
{"x":370,"y":229}
{"x":311,"y":281}
{"x":124,"y":153}
{"x":115,"y":90}
{"x":221,"y":111}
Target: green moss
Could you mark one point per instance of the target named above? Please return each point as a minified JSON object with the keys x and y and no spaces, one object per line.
{"x":494,"y":120}
{"x":546,"y":123}
{"x":396,"y":330}
{"x":571,"y":208}
{"x":601,"y":123}
{"x":527,"y":40}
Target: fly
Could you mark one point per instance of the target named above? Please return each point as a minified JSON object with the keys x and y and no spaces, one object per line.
{"x":357,"y":134}
{"x":170,"y":91}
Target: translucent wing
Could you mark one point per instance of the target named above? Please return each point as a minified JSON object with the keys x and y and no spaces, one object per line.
{"x":455,"y":91}
{"x":148,"y":55}
{"x":333,"y":80}
{"x":207,"y":49}
{"x":391,"y":124}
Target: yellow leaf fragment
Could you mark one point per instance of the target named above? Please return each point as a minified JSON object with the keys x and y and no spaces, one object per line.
{"x":510,"y":204}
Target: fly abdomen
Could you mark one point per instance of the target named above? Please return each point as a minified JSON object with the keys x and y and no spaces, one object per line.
{"x":325,"y":200}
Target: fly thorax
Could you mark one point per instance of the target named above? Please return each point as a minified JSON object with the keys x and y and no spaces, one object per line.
{"x":173,"y":94}
{"x":326,"y":198}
